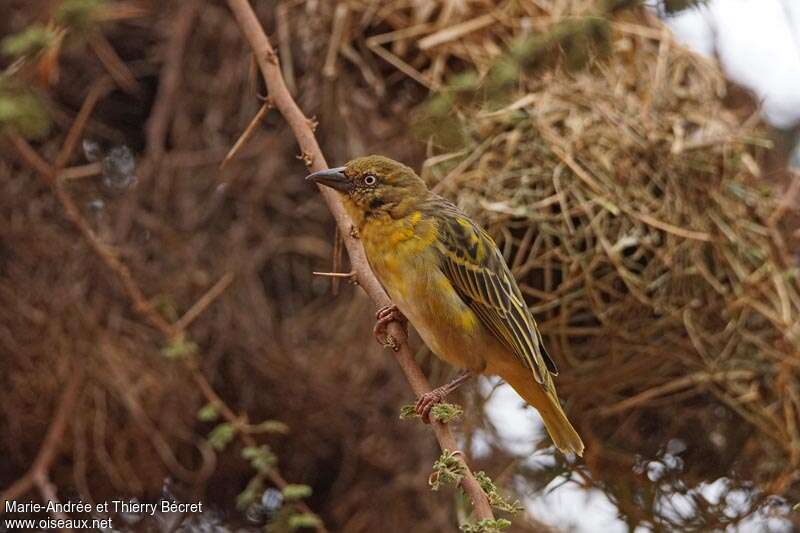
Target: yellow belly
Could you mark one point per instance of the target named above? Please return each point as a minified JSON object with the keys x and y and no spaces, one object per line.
{"x":409,"y":271}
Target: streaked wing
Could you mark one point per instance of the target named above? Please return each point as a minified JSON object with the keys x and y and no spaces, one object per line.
{"x":473,"y":264}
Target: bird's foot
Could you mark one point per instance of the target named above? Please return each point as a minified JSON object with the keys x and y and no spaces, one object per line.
{"x":437,"y":395}
{"x":427,"y":401}
{"x":385,"y":315}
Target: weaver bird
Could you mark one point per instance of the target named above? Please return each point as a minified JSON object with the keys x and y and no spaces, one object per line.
{"x":446,"y":276}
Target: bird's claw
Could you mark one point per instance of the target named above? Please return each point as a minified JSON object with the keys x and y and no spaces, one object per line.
{"x":385,"y":315}
{"x":426,"y":403}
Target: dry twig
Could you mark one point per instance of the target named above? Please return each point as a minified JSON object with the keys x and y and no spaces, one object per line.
{"x":38,"y":475}
{"x":283,"y":101}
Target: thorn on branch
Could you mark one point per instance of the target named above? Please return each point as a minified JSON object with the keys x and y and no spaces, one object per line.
{"x":351,"y":276}
{"x":271,"y":56}
{"x":306,"y":158}
{"x":354,"y":232}
{"x":312,"y":124}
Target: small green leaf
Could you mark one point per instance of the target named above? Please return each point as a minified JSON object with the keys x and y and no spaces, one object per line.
{"x":441,"y":412}
{"x":408,"y":411}
{"x":24,"y":113}
{"x":261,"y":457}
{"x":178,"y":348}
{"x":29,"y":41}
{"x":448,"y":469}
{"x":296,"y":492}
{"x":250,"y":494}
{"x":486,"y":526}
{"x":208,"y":413}
{"x":270,"y":426}
{"x":221,"y":436}
{"x":298,"y":521}
{"x":79,"y":14}
{"x":496,"y":500}
{"x":446,"y":412}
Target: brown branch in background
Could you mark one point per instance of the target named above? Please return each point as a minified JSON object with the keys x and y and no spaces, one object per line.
{"x":312,"y":155}
{"x":139,"y":302}
{"x":39,"y":475}
{"x":115,"y":66}
{"x":204,"y":301}
{"x":248,"y":132}
{"x":169,"y":79}
{"x":284,"y":45}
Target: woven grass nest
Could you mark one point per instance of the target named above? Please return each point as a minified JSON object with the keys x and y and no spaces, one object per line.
{"x":628,"y":200}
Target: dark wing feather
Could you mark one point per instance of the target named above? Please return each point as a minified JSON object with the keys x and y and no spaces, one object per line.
{"x":473,"y":264}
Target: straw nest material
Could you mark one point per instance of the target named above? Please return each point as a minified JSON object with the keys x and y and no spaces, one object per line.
{"x":626,"y":197}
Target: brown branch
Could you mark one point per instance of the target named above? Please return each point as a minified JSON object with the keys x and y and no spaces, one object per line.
{"x":106,"y":253}
{"x":38,"y":475}
{"x":169,"y":79}
{"x":268,"y":63}
{"x":115,"y":66}
{"x":140,"y":304}
{"x":204,"y":301}
{"x":240,"y":424}
{"x":248,"y":132}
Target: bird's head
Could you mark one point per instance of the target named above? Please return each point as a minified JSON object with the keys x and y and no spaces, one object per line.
{"x":374,"y":185}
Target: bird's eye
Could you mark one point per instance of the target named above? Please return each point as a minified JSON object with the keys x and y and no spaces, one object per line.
{"x":369,"y":179}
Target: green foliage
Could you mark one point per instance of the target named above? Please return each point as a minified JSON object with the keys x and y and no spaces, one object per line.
{"x":221,"y":436}
{"x":29,"y":41}
{"x":23,"y":112}
{"x":486,"y":526}
{"x":446,"y":412}
{"x":573,"y":42}
{"x":441,"y":412}
{"x":179,"y":347}
{"x":79,"y":14}
{"x":261,"y":458}
{"x":577,"y":40}
{"x":270,"y":426}
{"x":448,"y":469}
{"x":408,"y":411}
{"x":250,"y":494}
{"x":296,"y":492}
{"x":165,"y":304}
{"x":496,"y":500}
{"x":301,"y":520}
{"x":208,"y":413}
{"x":435,"y":119}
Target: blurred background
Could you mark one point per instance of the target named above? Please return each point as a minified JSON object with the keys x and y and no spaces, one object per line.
{"x":163,"y":336}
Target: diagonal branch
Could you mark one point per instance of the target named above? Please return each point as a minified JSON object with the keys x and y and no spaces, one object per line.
{"x":312,"y":155}
{"x":38,"y":475}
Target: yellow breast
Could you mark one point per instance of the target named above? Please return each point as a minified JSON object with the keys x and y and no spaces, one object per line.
{"x":399,"y":251}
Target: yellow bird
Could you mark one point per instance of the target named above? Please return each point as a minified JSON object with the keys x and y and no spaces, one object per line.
{"x":445,"y":274}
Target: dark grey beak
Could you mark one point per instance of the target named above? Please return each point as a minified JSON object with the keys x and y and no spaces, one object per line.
{"x":334,"y":178}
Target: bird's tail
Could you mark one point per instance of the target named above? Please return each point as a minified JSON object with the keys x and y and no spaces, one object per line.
{"x":555,"y":420}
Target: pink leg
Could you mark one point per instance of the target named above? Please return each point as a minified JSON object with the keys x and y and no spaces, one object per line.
{"x":386,"y":314}
{"x":437,"y":395}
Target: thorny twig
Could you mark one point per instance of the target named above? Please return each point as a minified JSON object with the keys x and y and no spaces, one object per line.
{"x":39,"y":475}
{"x":268,"y":63}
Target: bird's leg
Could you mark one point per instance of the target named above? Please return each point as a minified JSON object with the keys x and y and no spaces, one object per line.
{"x":437,"y":395}
{"x":386,"y":314}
